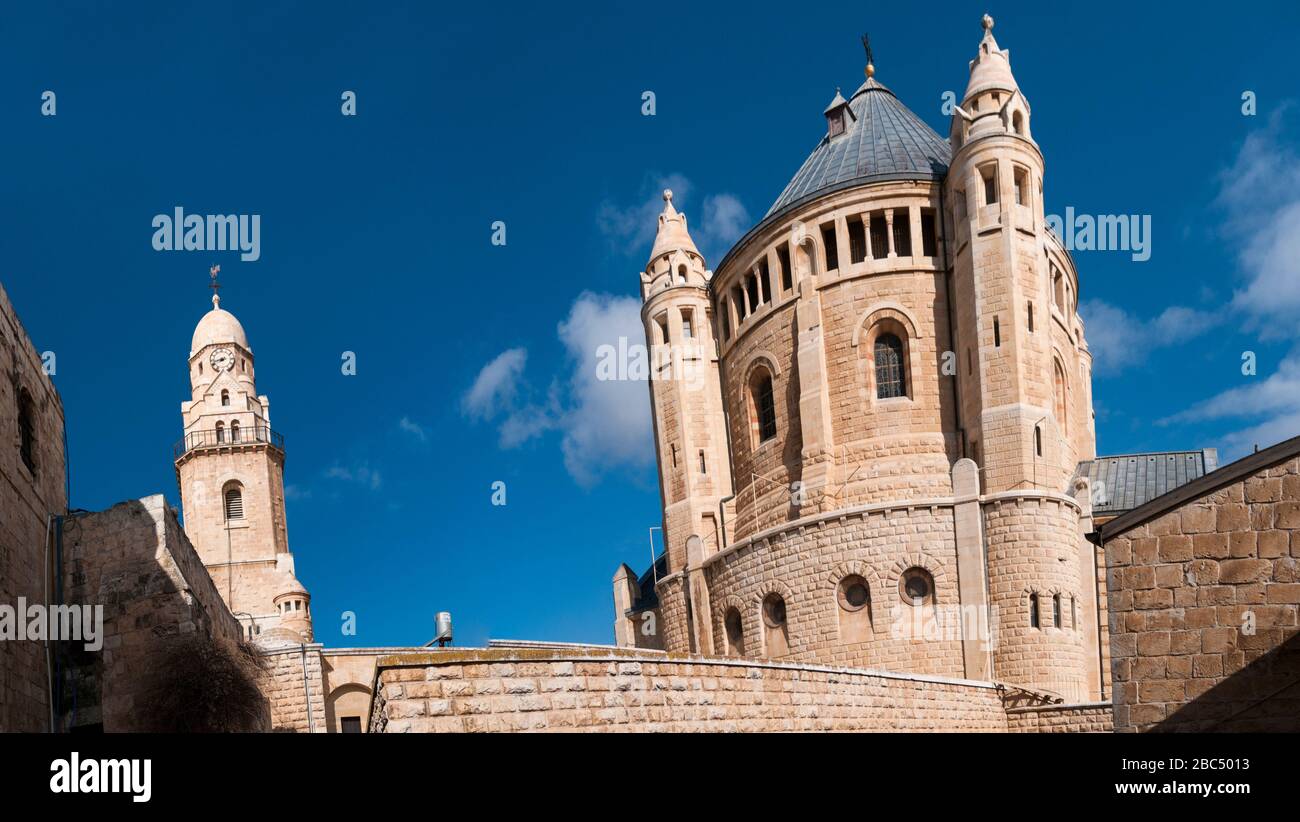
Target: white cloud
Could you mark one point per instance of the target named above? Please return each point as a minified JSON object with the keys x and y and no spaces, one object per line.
{"x":496,"y":385}
{"x":1117,"y":339}
{"x":720,"y":221}
{"x":361,"y":474}
{"x":608,"y":424}
{"x":293,"y":492}
{"x":604,"y":424}
{"x":413,"y":428}
{"x":1272,"y":403}
{"x":1260,"y":194}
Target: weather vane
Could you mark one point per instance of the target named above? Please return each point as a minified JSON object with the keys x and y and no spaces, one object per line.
{"x":213,"y":272}
{"x":866,"y":46}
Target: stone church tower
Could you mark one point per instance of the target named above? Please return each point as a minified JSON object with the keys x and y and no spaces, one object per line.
{"x":897,"y":387}
{"x":230,"y":467}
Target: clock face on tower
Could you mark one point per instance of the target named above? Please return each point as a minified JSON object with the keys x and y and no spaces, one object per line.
{"x":222,"y":359}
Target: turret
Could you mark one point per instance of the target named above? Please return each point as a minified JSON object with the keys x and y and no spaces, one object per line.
{"x":685,"y":391}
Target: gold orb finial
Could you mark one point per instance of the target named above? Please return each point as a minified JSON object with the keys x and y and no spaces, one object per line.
{"x":987,"y":22}
{"x":870,"y":70}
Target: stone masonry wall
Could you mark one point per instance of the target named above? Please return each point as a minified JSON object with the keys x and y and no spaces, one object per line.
{"x":27,"y":499}
{"x":607,"y":689}
{"x":1203,"y":609}
{"x":295,"y":687}
{"x":1095,"y":717}
{"x":134,"y":560}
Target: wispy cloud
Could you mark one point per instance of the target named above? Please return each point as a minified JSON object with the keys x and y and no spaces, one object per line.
{"x":496,"y":386}
{"x":1260,"y":194}
{"x":294,"y":493}
{"x":604,"y":424}
{"x":1118,"y":339}
{"x":1272,"y":404}
{"x":362,"y":474}
{"x":413,"y":428}
{"x":630,"y":227}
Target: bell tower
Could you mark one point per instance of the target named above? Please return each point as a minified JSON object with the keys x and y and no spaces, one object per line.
{"x":230,"y":468}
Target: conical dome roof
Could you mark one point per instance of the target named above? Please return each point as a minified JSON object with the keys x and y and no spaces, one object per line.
{"x":883,"y":140}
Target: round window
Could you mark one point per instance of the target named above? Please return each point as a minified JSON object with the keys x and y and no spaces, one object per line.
{"x":853,"y":593}
{"x":916,"y":584}
{"x":774,"y":611}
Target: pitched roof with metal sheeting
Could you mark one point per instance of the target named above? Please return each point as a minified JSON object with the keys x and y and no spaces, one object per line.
{"x":1124,"y":482}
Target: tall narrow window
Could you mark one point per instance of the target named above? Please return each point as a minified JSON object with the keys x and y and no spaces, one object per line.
{"x":662,"y":322}
{"x":704,"y":469}
{"x":738,"y":297}
{"x":234,"y":431}
{"x":735,"y":633}
{"x":765,"y":280}
{"x":1038,"y":440}
{"x":27,"y":430}
{"x":764,"y":406}
{"x":221,"y":432}
{"x":929,"y":239}
{"x":1056,"y":611}
{"x":1033,"y":611}
{"x":879,"y":236}
{"x":832,"y":247}
{"x":681,"y":275}
{"x":688,"y":328}
{"x":726,"y":321}
{"x":225,"y":397}
{"x":902,"y":232}
{"x":997,"y":333}
{"x":751,"y":288}
{"x":1074,"y":612}
{"x":857,"y":240}
{"x":783,"y":257}
{"x":234,"y":503}
{"x":1030,"y":310}
{"x":990,"y":175}
{"x":1018,"y":123}
{"x":1058,"y":385}
{"x":1021,"y":178}
{"x":890,"y":379}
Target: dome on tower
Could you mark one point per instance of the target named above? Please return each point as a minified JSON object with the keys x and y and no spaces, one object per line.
{"x":218,"y":326}
{"x":881,"y":140}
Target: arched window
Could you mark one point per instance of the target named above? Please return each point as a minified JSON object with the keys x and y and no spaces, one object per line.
{"x":234,"y":430}
{"x":854,"y":598}
{"x":27,"y":430}
{"x":1056,"y":611}
{"x":1018,"y":123}
{"x":764,"y":402}
{"x":1058,"y":385}
{"x":234,"y":502}
{"x":735,"y":633}
{"x":681,"y":275}
{"x":774,"y":626}
{"x":221,"y":432}
{"x":225,"y":397}
{"x":1033,"y":611}
{"x":890,"y":378}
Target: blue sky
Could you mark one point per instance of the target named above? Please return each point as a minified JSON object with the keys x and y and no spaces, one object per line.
{"x":375,"y":238}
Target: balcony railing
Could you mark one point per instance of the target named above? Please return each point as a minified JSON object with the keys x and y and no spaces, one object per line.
{"x":224,"y":437}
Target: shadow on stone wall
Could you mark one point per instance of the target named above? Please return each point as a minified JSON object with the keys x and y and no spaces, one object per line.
{"x":173,"y":657}
{"x":1264,"y":696}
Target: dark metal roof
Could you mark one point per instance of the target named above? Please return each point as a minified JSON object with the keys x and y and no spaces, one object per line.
{"x":1125,"y":482}
{"x":649,"y":596}
{"x":884,"y":141}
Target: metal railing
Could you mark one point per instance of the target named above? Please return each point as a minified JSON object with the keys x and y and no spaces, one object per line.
{"x":222,"y":437}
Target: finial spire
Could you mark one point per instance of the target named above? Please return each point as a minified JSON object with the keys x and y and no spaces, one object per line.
{"x":987,"y":22}
{"x":216,"y":298}
{"x":870,"y":70}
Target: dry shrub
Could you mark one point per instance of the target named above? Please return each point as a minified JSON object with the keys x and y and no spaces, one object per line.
{"x":200,"y":684}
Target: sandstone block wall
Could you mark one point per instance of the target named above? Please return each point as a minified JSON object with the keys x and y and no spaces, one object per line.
{"x":295,"y":687}
{"x":1096,"y":717}
{"x":806,"y":565}
{"x":134,"y":560}
{"x":27,"y":499}
{"x":1203,"y":604}
{"x":606,"y":689}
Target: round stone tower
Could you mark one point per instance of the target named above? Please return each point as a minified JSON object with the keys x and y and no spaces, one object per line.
{"x":902,"y":392}
{"x":1023,"y":377}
